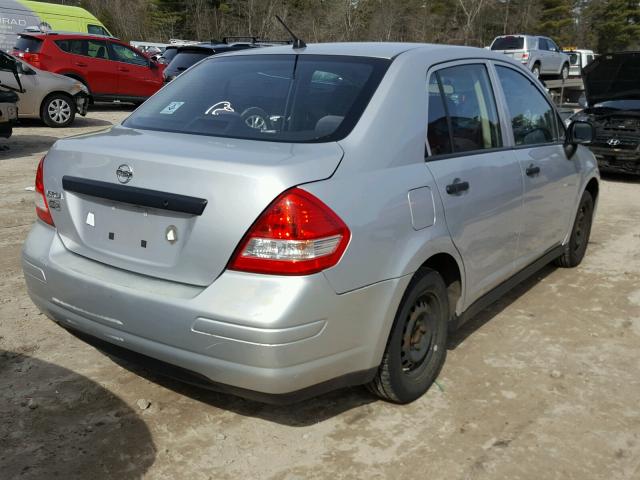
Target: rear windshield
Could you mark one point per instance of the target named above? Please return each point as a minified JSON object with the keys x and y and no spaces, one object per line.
{"x":169,"y":53}
{"x":185,"y":59}
{"x":28,"y":44}
{"x":282,"y":98}
{"x":508,"y":43}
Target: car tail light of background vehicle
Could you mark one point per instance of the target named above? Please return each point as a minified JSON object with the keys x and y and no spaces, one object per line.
{"x":42,"y":207}
{"x":30,"y":58}
{"x":296,"y":235}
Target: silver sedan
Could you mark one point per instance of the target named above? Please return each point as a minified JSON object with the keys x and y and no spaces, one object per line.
{"x":279,"y":222}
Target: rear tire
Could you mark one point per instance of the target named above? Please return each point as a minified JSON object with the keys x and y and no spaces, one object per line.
{"x":576,"y":247}
{"x":536,"y":70}
{"x":58,"y":110}
{"x":417,"y":345}
{"x":564,"y":73}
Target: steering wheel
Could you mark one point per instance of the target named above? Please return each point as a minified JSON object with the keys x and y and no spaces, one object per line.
{"x":256,"y":118}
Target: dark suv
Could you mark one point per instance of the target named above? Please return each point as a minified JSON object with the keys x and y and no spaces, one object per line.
{"x":111,"y":69}
{"x":187,"y":55}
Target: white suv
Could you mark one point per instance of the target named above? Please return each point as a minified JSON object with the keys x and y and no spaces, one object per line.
{"x":540,"y":54}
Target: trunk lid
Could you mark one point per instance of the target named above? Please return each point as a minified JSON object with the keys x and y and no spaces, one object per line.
{"x":187,"y":202}
{"x":612,"y":76}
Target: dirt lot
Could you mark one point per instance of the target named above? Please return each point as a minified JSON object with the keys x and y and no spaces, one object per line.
{"x":545,"y":384}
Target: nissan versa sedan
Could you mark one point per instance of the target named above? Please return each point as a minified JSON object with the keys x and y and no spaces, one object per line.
{"x":279,"y":222}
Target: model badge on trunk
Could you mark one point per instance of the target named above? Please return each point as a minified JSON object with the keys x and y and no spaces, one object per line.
{"x":124,"y":173}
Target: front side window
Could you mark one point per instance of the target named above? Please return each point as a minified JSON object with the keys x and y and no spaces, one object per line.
{"x":468,"y":102}
{"x":533,"y":119}
{"x":282,"y":98}
{"x":96,"y":30}
{"x":127,"y":55}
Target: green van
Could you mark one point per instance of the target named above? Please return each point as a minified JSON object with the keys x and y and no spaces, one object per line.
{"x":18,"y":15}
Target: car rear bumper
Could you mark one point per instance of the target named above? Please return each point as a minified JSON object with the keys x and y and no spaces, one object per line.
{"x":266,"y":334}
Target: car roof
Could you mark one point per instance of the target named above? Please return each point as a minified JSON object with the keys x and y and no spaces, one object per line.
{"x":65,"y":35}
{"x":388,"y":50}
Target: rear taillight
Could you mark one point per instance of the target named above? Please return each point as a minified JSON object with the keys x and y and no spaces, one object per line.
{"x":31,"y":58}
{"x":296,"y":235}
{"x":42,"y":207}
{"x":525,"y":55}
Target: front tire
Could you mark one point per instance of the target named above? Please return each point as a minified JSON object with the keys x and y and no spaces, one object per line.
{"x":58,"y":110}
{"x":576,"y":247}
{"x":417,"y":345}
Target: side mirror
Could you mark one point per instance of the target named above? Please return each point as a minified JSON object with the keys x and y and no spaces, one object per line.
{"x":152,"y":64}
{"x":580,"y":133}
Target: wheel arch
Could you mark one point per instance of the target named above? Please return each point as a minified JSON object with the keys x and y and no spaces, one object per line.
{"x":78,"y":77}
{"x":50,"y":94}
{"x":593,"y":187}
{"x":451,"y":272}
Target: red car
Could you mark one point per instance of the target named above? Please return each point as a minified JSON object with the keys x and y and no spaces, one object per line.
{"x":111,"y":69}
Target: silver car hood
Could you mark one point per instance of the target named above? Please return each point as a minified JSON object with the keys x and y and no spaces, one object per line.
{"x":237,"y":179}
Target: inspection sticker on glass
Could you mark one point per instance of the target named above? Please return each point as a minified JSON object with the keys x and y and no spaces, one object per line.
{"x":171,"y":108}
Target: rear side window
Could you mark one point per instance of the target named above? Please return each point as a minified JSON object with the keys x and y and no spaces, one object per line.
{"x":470,"y":108}
{"x":87,"y":48}
{"x":542,"y":44}
{"x":28,"y":44}
{"x":508,"y":43}
{"x":574,"y":58}
{"x":533,"y":119}
{"x":282,"y":98}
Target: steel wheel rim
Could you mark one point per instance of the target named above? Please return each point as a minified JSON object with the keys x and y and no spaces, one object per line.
{"x":419,"y":335}
{"x":256,"y":122}
{"x":59,"y":110}
{"x":580,"y":228}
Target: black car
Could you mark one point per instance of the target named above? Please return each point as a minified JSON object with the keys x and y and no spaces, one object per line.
{"x":188,"y":55}
{"x":612,"y":90}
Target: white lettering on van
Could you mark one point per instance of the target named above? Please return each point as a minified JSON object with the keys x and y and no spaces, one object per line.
{"x":13,"y":21}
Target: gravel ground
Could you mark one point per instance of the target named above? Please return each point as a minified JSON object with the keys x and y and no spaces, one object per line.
{"x":544,"y":384}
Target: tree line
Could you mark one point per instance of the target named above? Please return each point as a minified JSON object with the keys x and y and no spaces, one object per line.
{"x":603,"y":25}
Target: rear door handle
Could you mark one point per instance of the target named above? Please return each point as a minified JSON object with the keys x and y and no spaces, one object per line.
{"x":532,"y":171}
{"x":81,"y":64}
{"x":457,"y":187}
{"x":123,"y":69}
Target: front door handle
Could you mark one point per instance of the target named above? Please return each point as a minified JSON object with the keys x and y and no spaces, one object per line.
{"x":123,"y":69}
{"x":457,"y":187}
{"x":532,"y":171}
{"x":81,"y":64}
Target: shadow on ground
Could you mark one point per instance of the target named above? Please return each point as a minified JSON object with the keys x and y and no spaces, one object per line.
{"x":24,"y":145}
{"x":55,"y":423}
{"x":496,"y":308}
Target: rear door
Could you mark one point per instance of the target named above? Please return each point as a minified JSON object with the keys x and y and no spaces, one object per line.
{"x":90,"y":59}
{"x":478,"y":177}
{"x":550,"y":178}
{"x":136,"y":75}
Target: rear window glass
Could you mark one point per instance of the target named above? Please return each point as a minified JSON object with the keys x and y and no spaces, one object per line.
{"x":283,"y":98}
{"x":508,"y":43}
{"x":169,"y":54}
{"x":28,"y":44}
{"x":185,"y":59}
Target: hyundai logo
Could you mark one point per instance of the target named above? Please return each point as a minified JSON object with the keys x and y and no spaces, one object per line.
{"x":613,"y":142}
{"x":124,"y":173}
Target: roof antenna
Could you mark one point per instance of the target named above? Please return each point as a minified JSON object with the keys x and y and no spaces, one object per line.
{"x":297,"y":42}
